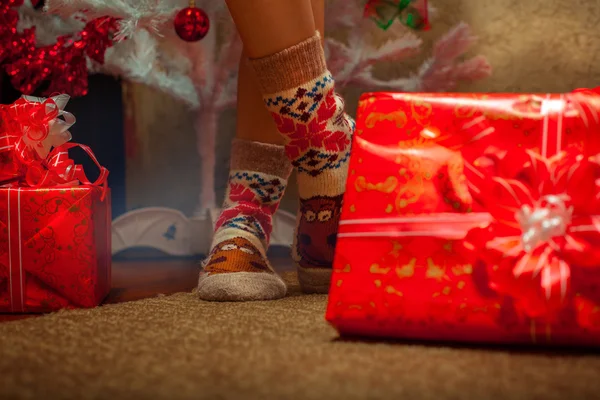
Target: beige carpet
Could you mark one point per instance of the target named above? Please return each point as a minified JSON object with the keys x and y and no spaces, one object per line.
{"x":177,"y":347}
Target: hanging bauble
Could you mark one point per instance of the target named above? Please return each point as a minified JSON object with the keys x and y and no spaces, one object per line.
{"x":191,"y":23}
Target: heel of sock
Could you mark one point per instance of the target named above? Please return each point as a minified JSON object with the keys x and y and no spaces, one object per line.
{"x":314,"y":280}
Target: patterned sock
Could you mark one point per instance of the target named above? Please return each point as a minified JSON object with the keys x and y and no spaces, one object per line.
{"x":237,"y":268}
{"x":299,"y":92}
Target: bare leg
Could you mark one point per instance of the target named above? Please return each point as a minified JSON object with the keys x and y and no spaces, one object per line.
{"x":318,"y":7}
{"x":287,"y":62}
{"x":269,"y":26}
{"x":253,"y":120}
{"x":237,"y":268}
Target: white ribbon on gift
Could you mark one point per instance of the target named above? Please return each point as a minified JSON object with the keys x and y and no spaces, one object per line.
{"x":58,"y":128}
{"x":547,"y":219}
{"x":17,"y":302}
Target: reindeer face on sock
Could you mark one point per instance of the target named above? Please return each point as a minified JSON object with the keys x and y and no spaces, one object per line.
{"x":235,"y":255}
{"x":317,"y":231}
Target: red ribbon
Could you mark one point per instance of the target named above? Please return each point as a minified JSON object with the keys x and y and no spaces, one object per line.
{"x":25,"y":126}
{"x":545,"y":225}
{"x":580,"y":107}
{"x":60,"y":170}
{"x":544,"y":206}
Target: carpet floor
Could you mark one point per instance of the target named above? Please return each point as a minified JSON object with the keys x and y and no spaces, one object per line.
{"x":177,"y":347}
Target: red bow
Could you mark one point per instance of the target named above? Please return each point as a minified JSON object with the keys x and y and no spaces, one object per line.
{"x":33,"y":148}
{"x":545,"y":226}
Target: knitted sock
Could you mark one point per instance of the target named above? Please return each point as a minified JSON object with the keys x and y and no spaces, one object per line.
{"x":299,"y":92}
{"x":237,"y":268}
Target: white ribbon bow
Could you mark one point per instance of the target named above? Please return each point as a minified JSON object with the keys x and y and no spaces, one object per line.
{"x":549,"y":218}
{"x":58,"y":128}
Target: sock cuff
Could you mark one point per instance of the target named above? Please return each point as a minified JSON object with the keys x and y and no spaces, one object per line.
{"x":247,"y":155}
{"x":291,"y":67}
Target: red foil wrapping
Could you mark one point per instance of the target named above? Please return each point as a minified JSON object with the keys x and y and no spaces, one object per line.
{"x":472,"y":218}
{"x":55,"y":241}
{"x":54,"y":248}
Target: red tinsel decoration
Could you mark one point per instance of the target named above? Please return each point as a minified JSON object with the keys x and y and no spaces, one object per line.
{"x":61,"y":66}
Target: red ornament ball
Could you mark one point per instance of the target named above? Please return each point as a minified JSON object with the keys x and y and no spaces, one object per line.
{"x":191,"y":24}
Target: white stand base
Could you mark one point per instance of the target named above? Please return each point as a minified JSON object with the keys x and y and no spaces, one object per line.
{"x":171,"y":232}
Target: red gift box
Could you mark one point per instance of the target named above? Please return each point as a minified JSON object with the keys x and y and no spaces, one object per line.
{"x":54,"y":248}
{"x":472,"y":218}
{"x":55,"y":243}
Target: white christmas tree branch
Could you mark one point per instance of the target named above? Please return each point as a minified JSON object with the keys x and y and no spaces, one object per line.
{"x":228,"y":95}
{"x":366,"y":80}
{"x":226,"y":90}
{"x":392,"y":50}
{"x":473,"y":69}
{"x":139,"y":59}
{"x":147,"y":14}
{"x":48,"y":27}
{"x":454,"y":43}
{"x":342,"y":14}
{"x":443,"y":70}
{"x":352,"y":63}
{"x":110,"y":8}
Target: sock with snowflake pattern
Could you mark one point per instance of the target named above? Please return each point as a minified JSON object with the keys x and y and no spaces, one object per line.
{"x":299,"y":92}
{"x":237,"y":268}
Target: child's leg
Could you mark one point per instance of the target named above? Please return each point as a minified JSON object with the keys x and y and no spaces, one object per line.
{"x":298,"y":90}
{"x":269,"y":26}
{"x":255,"y":129}
{"x":254,"y":122}
{"x":237,"y":268}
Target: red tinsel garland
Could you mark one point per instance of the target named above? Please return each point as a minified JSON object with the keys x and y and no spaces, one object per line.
{"x":61,"y":66}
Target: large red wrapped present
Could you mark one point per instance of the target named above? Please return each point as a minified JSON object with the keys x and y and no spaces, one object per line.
{"x":472,"y":218}
{"x":54,"y":222}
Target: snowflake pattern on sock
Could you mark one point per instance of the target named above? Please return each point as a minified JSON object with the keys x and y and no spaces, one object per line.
{"x":318,"y":134}
{"x":251,"y":200}
{"x":304,"y":103}
{"x":314,"y":162}
{"x":267,"y":189}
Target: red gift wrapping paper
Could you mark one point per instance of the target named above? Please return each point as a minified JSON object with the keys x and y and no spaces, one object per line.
{"x":472,"y":218}
{"x":54,"y":248}
{"x":55,"y":242}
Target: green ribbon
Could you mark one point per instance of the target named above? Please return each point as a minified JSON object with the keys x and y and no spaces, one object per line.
{"x":385,"y":12}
